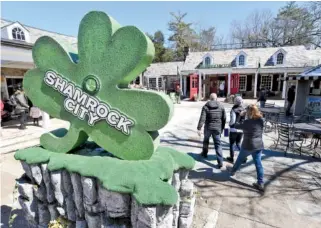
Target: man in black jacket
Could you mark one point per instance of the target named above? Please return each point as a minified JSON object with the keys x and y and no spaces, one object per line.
{"x":214,"y":117}
{"x":290,"y":98}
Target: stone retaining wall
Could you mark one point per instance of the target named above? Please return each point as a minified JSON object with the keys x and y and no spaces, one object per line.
{"x":45,"y":196}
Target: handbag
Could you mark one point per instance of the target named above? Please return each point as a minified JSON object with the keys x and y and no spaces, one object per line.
{"x":226,"y":132}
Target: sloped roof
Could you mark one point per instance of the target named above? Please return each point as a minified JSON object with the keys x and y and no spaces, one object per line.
{"x":36,"y":33}
{"x":314,"y":72}
{"x":297,"y":56}
{"x":161,"y":69}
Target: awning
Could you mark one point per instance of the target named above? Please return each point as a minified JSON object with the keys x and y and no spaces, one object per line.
{"x":310,"y":74}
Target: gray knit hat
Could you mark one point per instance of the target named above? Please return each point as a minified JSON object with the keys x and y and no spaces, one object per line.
{"x":238,"y":100}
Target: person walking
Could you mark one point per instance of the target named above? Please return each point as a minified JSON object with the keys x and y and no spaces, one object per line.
{"x":178,"y":93}
{"x":236,"y":135}
{"x":262,"y":97}
{"x":214,"y":117}
{"x":290,"y":99}
{"x":21,"y":105}
{"x":222,"y":88}
{"x":252,"y":143}
{"x":35,"y":113}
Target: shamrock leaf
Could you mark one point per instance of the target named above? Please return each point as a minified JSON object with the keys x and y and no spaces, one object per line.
{"x":92,"y":94}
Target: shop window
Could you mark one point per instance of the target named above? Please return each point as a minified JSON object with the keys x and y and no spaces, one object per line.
{"x":152,"y":82}
{"x":18,"y":34}
{"x":266,"y":81}
{"x":241,"y":60}
{"x":242,"y":83}
{"x":160,"y":83}
{"x":279,"y":59}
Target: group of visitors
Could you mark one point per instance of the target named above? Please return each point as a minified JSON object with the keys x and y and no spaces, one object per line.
{"x":20,"y":107}
{"x":246,"y":123}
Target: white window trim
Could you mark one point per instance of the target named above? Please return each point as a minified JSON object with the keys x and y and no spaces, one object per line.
{"x":245,"y":76}
{"x":211,"y":58}
{"x":237,"y":59}
{"x":271,"y":76}
{"x":275,"y":57}
{"x":9,"y":29}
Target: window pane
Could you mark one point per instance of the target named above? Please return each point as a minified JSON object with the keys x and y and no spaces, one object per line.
{"x":14,"y":36}
{"x":23,"y":37}
{"x":18,"y":36}
{"x":241,"y":60}
{"x":279,"y":58}
{"x":242,"y":83}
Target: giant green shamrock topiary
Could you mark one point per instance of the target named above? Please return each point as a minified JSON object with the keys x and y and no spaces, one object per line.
{"x":93,"y":94}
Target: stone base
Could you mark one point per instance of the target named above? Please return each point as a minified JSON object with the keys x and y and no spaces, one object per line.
{"x":83,"y":202}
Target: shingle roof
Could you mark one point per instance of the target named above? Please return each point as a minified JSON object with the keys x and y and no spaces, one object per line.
{"x":296,"y":56}
{"x":161,"y":69}
{"x":36,"y":33}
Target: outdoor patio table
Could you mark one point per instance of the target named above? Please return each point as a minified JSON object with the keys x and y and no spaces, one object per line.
{"x":308,"y":127}
{"x":311,"y":128}
{"x":274,"y":110}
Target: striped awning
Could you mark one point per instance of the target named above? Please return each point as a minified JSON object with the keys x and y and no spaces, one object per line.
{"x":290,"y":78}
{"x":310,"y":74}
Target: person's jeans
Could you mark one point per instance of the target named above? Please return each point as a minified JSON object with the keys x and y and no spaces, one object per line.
{"x":217,"y":144}
{"x":178,"y":99}
{"x":262,"y":104}
{"x":257,"y":161}
{"x":23,"y":117}
{"x":288,"y":109}
{"x":235,"y":137}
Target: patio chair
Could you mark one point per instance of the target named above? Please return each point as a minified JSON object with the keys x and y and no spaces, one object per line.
{"x":287,"y":138}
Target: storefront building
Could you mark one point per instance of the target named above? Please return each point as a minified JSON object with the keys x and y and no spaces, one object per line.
{"x":17,"y":41}
{"x":245,"y":71}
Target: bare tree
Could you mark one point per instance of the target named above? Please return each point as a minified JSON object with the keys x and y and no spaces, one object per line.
{"x":293,"y":25}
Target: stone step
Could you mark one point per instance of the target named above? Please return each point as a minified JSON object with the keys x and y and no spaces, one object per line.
{"x":19,"y":138}
{"x":22,"y":144}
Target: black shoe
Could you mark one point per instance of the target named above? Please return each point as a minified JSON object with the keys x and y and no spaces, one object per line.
{"x":259,"y":186}
{"x":219,"y":166}
{"x":230,"y":159}
{"x":245,"y":160}
{"x":204,"y":155}
{"x":22,"y":127}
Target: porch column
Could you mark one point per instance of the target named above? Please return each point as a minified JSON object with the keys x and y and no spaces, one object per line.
{"x":279,"y":82}
{"x":229,"y":83}
{"x":255,"y":84}
{"x":157,"y":83}
{"x":45,"y":120}
{"x":204,"y":79}
{"x":141,"y":80}
{"x":185,"y":85}
{"x":199,"y":85}
{"x":180,"y":80}
{"x":284,"y":85}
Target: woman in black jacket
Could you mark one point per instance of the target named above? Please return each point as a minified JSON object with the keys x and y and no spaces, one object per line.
{"x":252,"y":143}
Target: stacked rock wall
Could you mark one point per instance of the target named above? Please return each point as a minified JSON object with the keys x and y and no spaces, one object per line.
{"x":46,"y":196}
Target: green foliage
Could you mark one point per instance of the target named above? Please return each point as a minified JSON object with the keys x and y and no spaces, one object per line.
{"x":162,"y":54}
{"x":183,"y":35}
{"x":145,"y":179}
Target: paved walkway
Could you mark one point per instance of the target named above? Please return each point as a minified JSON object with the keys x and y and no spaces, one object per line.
{"x":293,"y":193}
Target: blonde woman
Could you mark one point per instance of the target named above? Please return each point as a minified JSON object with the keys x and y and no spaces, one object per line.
{"x":252,"y":143}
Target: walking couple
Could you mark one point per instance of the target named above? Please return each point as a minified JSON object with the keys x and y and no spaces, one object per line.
{"x":247,"y":122}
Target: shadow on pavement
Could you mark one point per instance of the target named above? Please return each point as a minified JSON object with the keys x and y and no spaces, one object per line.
{"x":17,"y":217}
